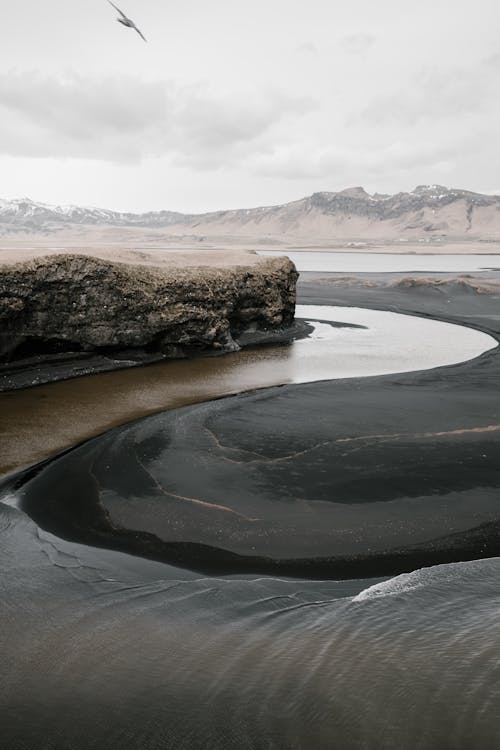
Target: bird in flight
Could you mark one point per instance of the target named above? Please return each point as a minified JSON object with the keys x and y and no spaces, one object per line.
{"x":126,"y":21}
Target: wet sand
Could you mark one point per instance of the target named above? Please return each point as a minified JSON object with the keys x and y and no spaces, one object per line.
{"x":355,"y":477}
{"x":104,"y":649}
{"x":38,"y":422}
{"x":41,"y":421}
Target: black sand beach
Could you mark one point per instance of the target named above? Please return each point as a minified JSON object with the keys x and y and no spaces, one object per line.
{"x":350,"y":479}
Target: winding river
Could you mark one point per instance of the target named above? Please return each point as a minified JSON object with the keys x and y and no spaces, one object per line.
{"x":38,"y":422}
{"x":119,"y":651}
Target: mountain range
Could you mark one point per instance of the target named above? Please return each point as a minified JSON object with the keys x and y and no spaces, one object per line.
{"x":428,"y":213}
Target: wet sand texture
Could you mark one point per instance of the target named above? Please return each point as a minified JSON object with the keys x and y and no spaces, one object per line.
{"x":36,"y":423}
{"x":103,"y":649}
{"x":351,"y":478}
{"x":94,"y":656}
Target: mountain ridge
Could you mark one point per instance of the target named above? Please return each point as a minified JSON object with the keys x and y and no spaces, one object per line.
{"x":352,"y":213}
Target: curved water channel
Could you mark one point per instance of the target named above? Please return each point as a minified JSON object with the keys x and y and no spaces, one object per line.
{"x":95,"y":653}
{"x":40,"y":421}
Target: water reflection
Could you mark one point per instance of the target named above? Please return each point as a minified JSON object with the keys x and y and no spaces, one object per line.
{"x":40,"y":421}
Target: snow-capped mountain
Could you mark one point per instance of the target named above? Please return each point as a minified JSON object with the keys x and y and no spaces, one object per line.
{"x":24,"y":212}
{"x":427,"y":211}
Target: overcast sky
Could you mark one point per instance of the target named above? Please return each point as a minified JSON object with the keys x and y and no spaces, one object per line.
{"x":233,"y":103}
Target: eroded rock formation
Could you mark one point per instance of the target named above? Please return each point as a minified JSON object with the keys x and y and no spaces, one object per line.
{"x":76,"y":303}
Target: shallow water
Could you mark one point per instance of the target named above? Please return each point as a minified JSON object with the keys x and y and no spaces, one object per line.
{"x":390,"y":343}
{"x":105,"y":659}
{"x":386,"y":262}
{"x":100,"y":649}
{"x":40,"y":421}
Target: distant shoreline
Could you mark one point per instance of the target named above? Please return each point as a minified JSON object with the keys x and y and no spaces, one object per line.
{"x":225,"y":251}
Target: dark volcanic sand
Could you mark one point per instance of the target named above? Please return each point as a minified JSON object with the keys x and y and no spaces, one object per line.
{"x":352,"y":478}
{"x":39,"y":422}
{"x":101,"y":649}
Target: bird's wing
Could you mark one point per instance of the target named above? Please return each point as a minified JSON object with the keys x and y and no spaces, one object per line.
{"x":139,"y":32}
{"x":118,"y":9}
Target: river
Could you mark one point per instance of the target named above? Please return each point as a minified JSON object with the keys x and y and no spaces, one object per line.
{"x":38,"y":422}
{"x":104,"y":649}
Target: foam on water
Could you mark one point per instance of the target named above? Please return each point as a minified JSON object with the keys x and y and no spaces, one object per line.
{"x":408,"y":582}
{"x":460,"y":576}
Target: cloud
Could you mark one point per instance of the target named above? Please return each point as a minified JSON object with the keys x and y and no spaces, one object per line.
{"x":434,"y":93}
{"x":216,"y":128}
{"x":442,"y":123}
{"x":493,"y":60}
{"x":80,"y":116}
{"x":124,"y":119}
{"x":440,"y":126}
{"x":308,"y":49}
{"x":311,"y":161}
{"x":355,"y":44}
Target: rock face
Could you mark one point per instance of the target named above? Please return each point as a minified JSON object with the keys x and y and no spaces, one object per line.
{"x":74,"y":303}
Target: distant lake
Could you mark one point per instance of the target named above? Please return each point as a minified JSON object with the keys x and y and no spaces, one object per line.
{"x":387,"y":262}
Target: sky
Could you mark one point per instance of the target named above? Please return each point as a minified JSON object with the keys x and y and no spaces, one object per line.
{"x":236,"y":104}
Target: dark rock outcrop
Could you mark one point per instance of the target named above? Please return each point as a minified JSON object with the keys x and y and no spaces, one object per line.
{"x":74,"y":303}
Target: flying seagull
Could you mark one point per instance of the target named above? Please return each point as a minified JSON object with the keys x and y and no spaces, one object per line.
{"x":127,"y":21}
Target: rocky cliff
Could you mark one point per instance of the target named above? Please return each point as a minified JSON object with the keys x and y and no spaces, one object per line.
{"x":74,"y":303}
